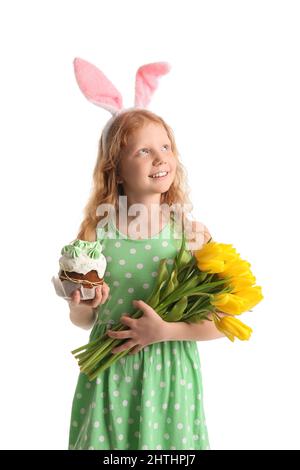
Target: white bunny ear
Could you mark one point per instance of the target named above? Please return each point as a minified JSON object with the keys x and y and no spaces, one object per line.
{"x":146,"y":81}
{"x":96,"y":87}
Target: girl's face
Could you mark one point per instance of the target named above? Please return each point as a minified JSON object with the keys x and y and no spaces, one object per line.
{"x":148,"y":152}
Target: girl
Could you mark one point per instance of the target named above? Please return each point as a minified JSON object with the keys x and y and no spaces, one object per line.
{"x":152,"y":398}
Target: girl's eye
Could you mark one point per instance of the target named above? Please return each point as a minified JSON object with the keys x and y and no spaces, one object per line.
{"x":147,"y":150}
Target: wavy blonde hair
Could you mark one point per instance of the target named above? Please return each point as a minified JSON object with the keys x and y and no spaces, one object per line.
{"x":106,"y":190}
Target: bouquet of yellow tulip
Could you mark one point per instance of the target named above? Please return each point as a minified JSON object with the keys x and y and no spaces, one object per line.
{"x":215,"y":279}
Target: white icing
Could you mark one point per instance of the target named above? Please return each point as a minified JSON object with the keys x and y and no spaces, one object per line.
{"x":83,"y":264}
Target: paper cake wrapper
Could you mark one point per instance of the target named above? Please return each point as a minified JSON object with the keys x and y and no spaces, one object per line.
{"x":65,"y":288}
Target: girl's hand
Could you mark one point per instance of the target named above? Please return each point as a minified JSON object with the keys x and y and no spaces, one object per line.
{"x":101,"y":296}
{"x":148,"y":329}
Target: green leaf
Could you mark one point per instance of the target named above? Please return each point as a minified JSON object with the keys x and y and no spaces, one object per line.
{"x":163,"y":272}
{"x":193,"y":282}
{"x":180,"y":254}
{"x":185,"y":259}
{"x":202,"y":276}
{"x":155,"y":298}
{"x":184,"y":270}
{"x":161,"y":279}
{"x":197,"y":318}
{"x":172,"y":284}
{"x":195,"y":304}
{"x":177,"y":310}
{"x":174,"y":278}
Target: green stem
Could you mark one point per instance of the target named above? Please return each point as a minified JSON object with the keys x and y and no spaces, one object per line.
{"x":91,"y":344}
{"x":86,"y":353}
{"x":97,"y":354}
{"x":196,"y":304}
{"x":176,"y":295}
{"x":191,"y":268}
{"x":179,"y":291}
{"x":162,"y":307}
{"x":85,"y":346}
{"x":102,"y":345}
{"x":204,"y":309}
{"x":186,"y":266}
{"x":101,"y":349}
{"x":108,"y":363}
{"x":99,"y":341}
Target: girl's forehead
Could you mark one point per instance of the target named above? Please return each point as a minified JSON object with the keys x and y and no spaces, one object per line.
{"x":147,"y":132}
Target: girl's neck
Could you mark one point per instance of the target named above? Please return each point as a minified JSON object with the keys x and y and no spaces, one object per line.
{"x":152,"y":224}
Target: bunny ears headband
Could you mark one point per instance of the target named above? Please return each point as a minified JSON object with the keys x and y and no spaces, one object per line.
{"x":98,"y":89}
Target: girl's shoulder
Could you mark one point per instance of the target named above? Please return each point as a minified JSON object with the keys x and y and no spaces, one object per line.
{"x":90,"y":236}
{"x":94,"y":232}
{"x":198,"y":235}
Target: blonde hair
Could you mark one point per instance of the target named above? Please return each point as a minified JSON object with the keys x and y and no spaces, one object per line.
{"x":106,"y":190}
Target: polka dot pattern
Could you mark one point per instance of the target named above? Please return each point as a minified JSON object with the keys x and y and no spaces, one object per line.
{"x":151,"y":400}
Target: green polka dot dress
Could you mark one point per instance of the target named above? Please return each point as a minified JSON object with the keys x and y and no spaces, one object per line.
{"x":152,"y":399}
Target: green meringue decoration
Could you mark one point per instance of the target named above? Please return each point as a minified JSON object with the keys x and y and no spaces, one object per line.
{"x":95,"y":251}
{"x":71,"y":250}
{"x":80,"y":244}
{"x":77,"y":247}
{"x":66,"y":249}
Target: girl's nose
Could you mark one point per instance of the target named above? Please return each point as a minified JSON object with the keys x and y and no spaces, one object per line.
{"x":159,"y":159}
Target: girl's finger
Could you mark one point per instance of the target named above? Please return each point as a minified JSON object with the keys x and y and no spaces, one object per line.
{"x":105,"y":293}
{"x":131,"y":322}
{"x":124,"y":347}
{"x":136,"y":349}
{"x":75,"y":297}
{"x":120,"y":334}
{"x":98,"y":297}
{"x":96,"y":300}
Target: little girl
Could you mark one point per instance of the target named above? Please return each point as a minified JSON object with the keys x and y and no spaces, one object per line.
{"x":152,"y":398}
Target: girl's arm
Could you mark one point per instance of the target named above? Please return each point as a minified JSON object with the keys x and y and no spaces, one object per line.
{"x":203,"y":331}
{"x":83,"y":313}
{"x":82,"y":316}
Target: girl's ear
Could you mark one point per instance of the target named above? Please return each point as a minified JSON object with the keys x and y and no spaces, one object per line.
{"x":146,"y":81}
{"x":96,"y":87}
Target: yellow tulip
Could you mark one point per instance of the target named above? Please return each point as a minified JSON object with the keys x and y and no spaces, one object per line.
{"x":229,"y":303}
{"x":241,"y":282}
{"x":209,"y":258}
{"x":237,"y":267}
{"x":228,"y":251}
{"x":222,"y":259}
{"x":213,"y":266}
{"x":233,"y":328}
{"x":213,"y":257}
{"x":251,"y":296}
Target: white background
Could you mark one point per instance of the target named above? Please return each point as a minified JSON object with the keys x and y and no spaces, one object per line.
{"x":232,"y":98}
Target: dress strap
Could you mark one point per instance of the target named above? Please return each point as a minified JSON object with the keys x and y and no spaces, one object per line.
{"x":177,"y":234}
{"x":101,"y":232}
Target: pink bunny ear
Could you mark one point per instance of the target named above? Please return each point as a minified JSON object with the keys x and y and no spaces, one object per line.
{"x":96,"y":87}
{"x":146,"y":81}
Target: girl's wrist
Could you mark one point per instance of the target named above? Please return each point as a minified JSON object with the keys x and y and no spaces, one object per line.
{"x":166,"y":331}
{"x":82,"y":315}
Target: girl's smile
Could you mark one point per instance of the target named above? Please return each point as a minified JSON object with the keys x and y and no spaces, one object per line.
{"x":159,"y":175}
